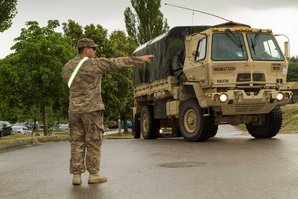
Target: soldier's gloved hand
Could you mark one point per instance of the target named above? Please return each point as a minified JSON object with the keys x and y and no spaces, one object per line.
{"x":147,"y":58}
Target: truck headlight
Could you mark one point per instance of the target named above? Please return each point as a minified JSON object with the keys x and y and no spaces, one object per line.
{"x":287,"y":96}
{"x":223,"y":97}
{"x":279,"y":96}
{"x":216,"y":97}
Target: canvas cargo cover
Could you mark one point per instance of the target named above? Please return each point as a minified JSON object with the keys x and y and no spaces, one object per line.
{"x":163,"y":47}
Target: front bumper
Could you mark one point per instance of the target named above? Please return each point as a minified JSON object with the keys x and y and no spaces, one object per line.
{"x":239,"y":102}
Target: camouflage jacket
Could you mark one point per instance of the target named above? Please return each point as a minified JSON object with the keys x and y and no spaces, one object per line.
{"x":85,"y":91}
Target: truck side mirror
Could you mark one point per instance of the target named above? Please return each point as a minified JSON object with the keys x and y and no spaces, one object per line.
{"x":286,"y":45}
{"x":287,"y":49}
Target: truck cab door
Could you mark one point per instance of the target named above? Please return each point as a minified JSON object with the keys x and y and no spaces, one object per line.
{"x":195,"y":67}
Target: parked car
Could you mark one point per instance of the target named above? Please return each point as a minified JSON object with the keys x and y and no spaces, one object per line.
{"x":63,"y":127}
{"x":5,"y":128}
{"x":129,"y":124}
{"x":21,"y":130}
{"x":114,"y":124}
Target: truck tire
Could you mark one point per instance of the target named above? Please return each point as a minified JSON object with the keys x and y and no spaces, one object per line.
{"x":149,"y":126}
{"x":177,"y":66}
{"x":136,"y":127}
{"x":271,"y":126}
{"x":193,"y":125}
{"x":213,"y":128}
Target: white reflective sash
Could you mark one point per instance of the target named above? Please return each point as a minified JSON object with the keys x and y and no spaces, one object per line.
{"x":74,"y":73}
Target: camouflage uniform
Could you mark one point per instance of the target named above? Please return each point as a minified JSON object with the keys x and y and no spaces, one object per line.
{"x":86,"y":108}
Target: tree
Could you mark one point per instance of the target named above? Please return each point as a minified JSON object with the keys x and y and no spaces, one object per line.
{"x":149,"y":23}
{"x":116,"y":86}
{"x":130,"y":24}
{"x":293,"y":69}
{"x":40,"y":53}
{"x":9,"y":103}
{"x":7,"y":13}
{"x":73,"y":30}
{"x":100,"y":36}
{"x":95,"y":32}
{"x":122,"y":46}
{"x":293,"y":74}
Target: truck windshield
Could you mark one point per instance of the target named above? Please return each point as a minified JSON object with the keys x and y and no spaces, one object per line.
{"x":228,"y":46}
{"x":264,"y":47}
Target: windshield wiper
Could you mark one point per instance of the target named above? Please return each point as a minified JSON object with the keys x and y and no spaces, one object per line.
{"x":253,"y":46}
{"x":256,"y":38}
{"x":234,"y":38}
{"x":255,"y":41}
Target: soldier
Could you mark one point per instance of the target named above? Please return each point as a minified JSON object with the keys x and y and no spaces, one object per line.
{"x":83,"y":75}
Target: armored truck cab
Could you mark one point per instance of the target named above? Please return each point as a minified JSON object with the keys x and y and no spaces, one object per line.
{"x":203,"y":76}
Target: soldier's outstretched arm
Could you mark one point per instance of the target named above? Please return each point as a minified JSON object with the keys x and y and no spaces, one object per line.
{"x":111,"y":64}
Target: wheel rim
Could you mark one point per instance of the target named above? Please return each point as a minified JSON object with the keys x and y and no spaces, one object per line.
{"x":145,"y":123}
{"x":191,"y":121}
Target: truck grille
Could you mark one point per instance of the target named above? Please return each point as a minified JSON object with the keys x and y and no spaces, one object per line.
{"x":249,"y":107}
{"x":260,"y":77}
{"x":243,"y":77}
{"x":246,"y":77}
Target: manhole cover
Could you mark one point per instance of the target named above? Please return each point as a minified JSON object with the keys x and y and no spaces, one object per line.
{"x":182,"y":164}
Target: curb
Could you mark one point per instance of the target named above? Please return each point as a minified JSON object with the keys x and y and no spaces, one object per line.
{"x":33,"y":141}
{"x":40,"y":140}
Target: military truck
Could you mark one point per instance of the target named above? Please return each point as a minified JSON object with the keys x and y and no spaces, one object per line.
{"x":204,"y":76}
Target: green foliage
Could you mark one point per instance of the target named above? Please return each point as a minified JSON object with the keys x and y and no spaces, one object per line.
{"x":33,"y":72}
{"x":95,"y":32}
{"x":10,"y":104}
{"x":7,"y":13}
{"x":123,"y":46}
{"x":117,"y":86}
{"x":130,"y":24}
{"x":73,"y":30}
{"x":293,"y":74}
{"x":117,"y":94}
{"x":293,"y":69}
{"x":120,"y":44}
{"x":149,"y":23}
{"x":100,"y":36}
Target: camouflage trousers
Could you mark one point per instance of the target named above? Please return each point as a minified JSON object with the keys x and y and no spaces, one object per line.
{"x":86,"y":130}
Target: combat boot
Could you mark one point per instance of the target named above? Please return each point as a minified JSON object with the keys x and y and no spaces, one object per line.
{"x":76,"y":179}
{"x":96,"y":178}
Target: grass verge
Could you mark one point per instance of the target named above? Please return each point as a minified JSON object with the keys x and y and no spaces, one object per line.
{"x":55,"y":136}
{"x":31,"y":138}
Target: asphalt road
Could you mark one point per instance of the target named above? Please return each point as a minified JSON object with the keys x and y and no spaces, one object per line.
{"x":229,"y":166}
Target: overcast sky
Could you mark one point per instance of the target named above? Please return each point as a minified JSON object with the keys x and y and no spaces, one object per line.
{"x":280,"y":16}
